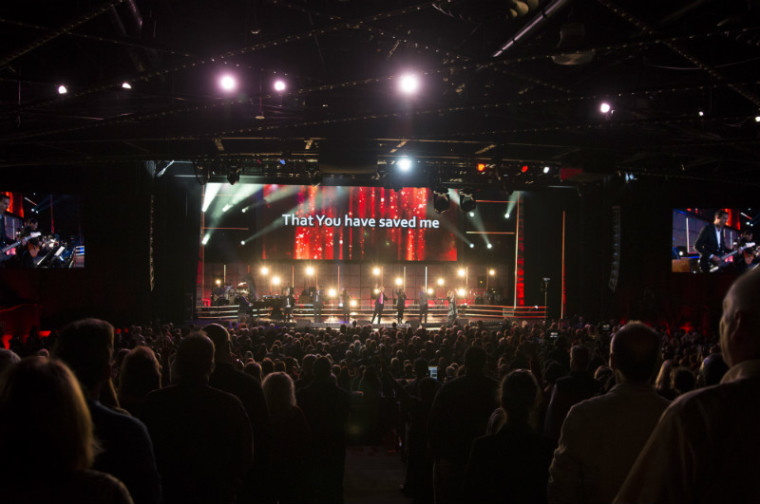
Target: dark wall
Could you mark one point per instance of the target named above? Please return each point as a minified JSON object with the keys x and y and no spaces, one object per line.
{"x":176,"y":237}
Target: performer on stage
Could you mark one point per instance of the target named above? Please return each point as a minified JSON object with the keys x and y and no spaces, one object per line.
{"x":318,"y":302}
{"x":711,"y":242}
{"x":379,"y":304}
{"x":400,"y":305}
{"x":423,"y":297}
{"x":345,"y":299}
{"x":452,"y":296}
{"x":289,"y":303}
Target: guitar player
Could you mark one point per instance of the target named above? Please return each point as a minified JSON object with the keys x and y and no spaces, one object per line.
{"x":711,"y":243}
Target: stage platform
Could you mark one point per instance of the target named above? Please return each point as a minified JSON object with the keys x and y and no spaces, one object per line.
{"x":489,"y":315}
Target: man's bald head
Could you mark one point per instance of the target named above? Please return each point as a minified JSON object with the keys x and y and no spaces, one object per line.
{"x":740,"y":323}
{"x":635,"y":352}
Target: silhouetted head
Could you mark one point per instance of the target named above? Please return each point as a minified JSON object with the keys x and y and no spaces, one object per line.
{"x":635,"y":352}
{"x":86,"y":346}
{"x":195,"y":358}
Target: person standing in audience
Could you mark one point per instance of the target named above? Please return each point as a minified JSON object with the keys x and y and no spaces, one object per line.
{"x":602,"y":436}
{"x":292,"y":441}
{"x":577,"y":386}
{"x":459,"y":414}
{"x":140,"y":375}
{"x":228,"y":378}
{"x":46,"y":438}
{"x":202,"y":435}
{"x":86,"y":346}
{"x":326,"y":407}
{"x":511,"y":465}
{"x":705,"y":446}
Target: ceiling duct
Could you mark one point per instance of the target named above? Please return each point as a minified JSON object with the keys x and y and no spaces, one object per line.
{"x":572,"y":39}
{"x":347,"y":158}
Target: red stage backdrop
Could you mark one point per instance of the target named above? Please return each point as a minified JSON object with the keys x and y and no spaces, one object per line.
{"x":354,"y":223}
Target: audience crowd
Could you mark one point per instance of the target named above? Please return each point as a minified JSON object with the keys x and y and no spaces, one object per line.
{"x":521,"y":412}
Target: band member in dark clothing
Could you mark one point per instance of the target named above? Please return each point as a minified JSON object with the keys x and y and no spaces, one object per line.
{"x":400,"y":305}
{"x":345,"y":299}
{"x":5,"y":202}
{"x":711,"y":242}
{"x":289,"y":303}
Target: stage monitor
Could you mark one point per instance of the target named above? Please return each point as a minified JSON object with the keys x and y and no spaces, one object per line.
{"x":351,"y":224}
{"x":714,"y":240}
{"x":41,"y":231}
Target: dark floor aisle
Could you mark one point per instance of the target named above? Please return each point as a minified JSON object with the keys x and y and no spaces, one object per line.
{"x":374,"y":476}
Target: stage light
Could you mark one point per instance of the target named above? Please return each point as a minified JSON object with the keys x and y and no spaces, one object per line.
{"x":376,"y":271}
{"x":309,"y":270}
{"x":279,"y":85}
{"x":492,"y":272}
{"x":408,"y":84}
{"x":218,"y":281}
{"x":126,"y":85}
{"x":481,"y":167}
{"x":547,"y":169}
{"x":461,"y":272}
{"x":352,"y":303}
{"x":471,"y":214}
{"x":205,"y":239}
{"x":399,"y":281}
{"x":242,"y":242}
{"x":467,"y":202}
{"x":276,"y":280}
{"x":332,"y":292}
{"x":62,"y":89}
{"x":506,"y":215}
{"x":228,"y":83}
{"x":472,"y":245}
{"x":264,"y":270}
{"x":430,"y":292}
{"x":489,"y":246}
{"x":701,"y":114}
{"x":460,"y":292}
{"x":440,"y":281}
{"x":757,"y":119}
{"x":377,"y":291}
{"x":605,"y":108}
{"x":441,"y":200}
{"x":404,"y":164}
{"x":524,"y":169}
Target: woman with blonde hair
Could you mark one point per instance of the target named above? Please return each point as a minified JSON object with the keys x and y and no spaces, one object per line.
{"x":46,"y":438}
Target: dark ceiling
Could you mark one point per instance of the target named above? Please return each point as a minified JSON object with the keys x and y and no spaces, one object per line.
{"x":506,"y":83}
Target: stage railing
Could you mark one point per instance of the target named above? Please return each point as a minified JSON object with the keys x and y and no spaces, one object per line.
{"x":364,"y":311}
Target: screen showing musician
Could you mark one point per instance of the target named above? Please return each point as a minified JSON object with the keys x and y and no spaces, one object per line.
{"x":40,"y":231}
{"x":714,"y":240}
